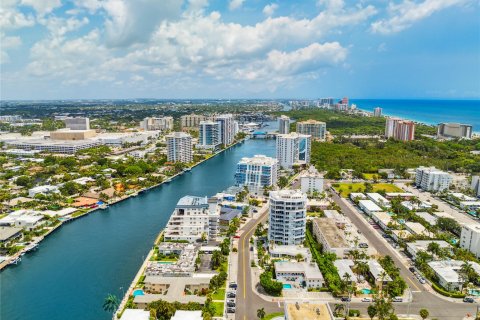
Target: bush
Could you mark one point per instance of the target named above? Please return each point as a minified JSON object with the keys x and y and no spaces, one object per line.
{"x":271,"y":286}
{"x":446,"y":293}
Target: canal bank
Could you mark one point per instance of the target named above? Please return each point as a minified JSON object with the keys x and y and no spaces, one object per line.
{"x":79,"y":264}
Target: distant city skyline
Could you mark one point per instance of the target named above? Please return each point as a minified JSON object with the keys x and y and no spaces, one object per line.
{"x":126,"y":49}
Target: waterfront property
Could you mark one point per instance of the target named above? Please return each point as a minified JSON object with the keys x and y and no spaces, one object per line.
{"x":184,"y":266}
{"x":179,"y":147}
{"x":293,"y":149}
{"x":256,"y":173}
{"x":287,"y":217}
{"x":284,"y":124}
{"x":192,"y":219}
{"x":210,"y":135}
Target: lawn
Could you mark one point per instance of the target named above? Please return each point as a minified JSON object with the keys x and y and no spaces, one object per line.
{"x":370,"y":176}
{"x":218,"y":309}
{"x":219,"y":294}
{"x":273,"y":315}
{"x":346,"y":188}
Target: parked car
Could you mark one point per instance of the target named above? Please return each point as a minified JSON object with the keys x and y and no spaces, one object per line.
{"x":423,"y":281}
{"x":468,"y":299}
{"x":251,"y":248}
{"x":412,"y":269}
{"x":231,"y":294}
{"x":230,"y":310}
{"x":345,"y":299}
{"x":231,"y":304}
{"x":397,"y":299}
{"x":233,"y":285}
{"x":366,"y":300}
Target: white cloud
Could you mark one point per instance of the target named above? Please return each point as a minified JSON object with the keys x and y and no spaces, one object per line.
{"x":12,"y":18}
{"x":91,"y":5}
{"x":42,"y":7}
{"x":406,"y":13}
{"x":132,"y":21}
{"x":8,"y":42}
{"x":332,"y":5}
{"x":235,"y":4}
{"x":270,"y":9}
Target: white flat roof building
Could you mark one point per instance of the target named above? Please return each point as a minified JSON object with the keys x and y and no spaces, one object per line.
{"x":422,"y":245}
{"x":257,"y":173}
{"x":432,"y":179}
{"x":470,"y":238}
{"x":379,"y":199}
{"x":46,"y":189}
{"x":415,"y":206}
{"x":417,"y":228}
{"x":430,"y":219}
{"x":187,"y":315}
{"x":293,"y":148}
{"x":135,"y":314}
{"x":298,"y":272}
{"x":377,"y":271}
{"x":357,"y":195}
{"x":331,"y":236}
{"x":344,"y":266}
{"x":179,"y":147}
{"x":382,"y":219}
{"x":311,"y":180}
{"x":448,"y":275}
{"x":368,"y":206}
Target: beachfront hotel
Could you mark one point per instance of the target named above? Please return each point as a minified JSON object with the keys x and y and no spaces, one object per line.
{"x":179,"y":147}
{"x":209,"y":135}
{"x":256,"y":173}
{"x":398,"y":129}
{"x":316,"y":129}
{"x":293,"y":148}
{"x":193,"y":218}
{"x":287,"y":217}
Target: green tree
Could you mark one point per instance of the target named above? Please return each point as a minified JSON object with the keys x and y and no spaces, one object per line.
{"x":283,"y":182}
{"x":111,"y":303}
{"x":24,"y":181}
{"x":424,"y":313}
{"x":372,"y":311}
{"x":261,"y":313}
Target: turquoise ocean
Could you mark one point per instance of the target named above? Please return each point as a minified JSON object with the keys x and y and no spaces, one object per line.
{"x":427,"y":111}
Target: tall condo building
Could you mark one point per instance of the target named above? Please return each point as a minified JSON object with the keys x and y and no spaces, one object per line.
{"x":191,"y":120}
{"x":283,"y":124}
{"x":192,"y":218}
{"x":399,"y":129}
{"x":377,"y":112}
{"x":326,"y":101}
{"x":293,"y":148}
{"x":454,"y":130}
{"x":227,"y":128}
{"x":316,"y":129}
{"x":152,"y":124}
{"x":209,"y":135}
{"x":432,"y":179}
{"x":256,"y":173}
{"x":344,"y":100}
{"x":179,"y":147}
{"x":287,"y":217}
{"x":476,"y":185}
{"x":470,"y":238}
{"x":77,"y":123}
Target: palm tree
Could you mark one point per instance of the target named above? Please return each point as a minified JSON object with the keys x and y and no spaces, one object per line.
{"x":372,"y":311}
{"x":338,"y":309}
{"x":111,"y":303}
{"x":261,"y":313}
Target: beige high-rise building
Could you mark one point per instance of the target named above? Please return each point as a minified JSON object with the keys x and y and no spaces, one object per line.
{"x":152,"y":124}
{"x":192,"y":120}
{"x":316,"y":129}
{"x":179,"y":147}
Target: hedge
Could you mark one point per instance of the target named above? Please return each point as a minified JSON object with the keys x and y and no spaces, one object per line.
{"x":444,"y":292}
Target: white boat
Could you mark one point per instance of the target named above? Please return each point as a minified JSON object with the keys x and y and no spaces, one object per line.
{"x":15,"y":261}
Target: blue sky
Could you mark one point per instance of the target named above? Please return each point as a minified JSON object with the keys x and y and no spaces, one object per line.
{"x":58,"y":49}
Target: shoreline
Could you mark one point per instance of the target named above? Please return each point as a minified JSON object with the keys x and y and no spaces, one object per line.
{"x":37,"y":242}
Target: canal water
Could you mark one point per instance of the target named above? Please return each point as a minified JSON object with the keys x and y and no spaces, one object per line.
{"x":77,"y":266}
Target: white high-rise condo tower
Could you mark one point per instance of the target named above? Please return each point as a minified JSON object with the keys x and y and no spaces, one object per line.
{"x":287,"y":217}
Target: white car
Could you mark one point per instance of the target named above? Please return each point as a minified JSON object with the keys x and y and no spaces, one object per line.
{"x":366,"y":300}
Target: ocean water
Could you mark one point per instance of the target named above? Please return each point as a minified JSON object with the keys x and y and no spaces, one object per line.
{"x":427,"y":111}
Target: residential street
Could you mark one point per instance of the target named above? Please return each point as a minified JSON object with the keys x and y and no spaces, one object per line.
{"x":440,"y":308}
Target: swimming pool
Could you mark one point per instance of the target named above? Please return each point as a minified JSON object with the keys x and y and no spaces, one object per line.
{"x":287,"y":286}
{"x":138,"y":292}
{"x":366,"y":291}
{"x":474,"y":292}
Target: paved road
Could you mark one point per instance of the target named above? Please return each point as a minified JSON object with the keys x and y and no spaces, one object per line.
{"x":422,"y":298}
{"x":248,"y":302}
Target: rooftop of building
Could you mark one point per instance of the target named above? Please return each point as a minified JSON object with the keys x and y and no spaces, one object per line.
{"x":192,"y":201}
{"x":332,"y":234}
{"x":178,"y":135}
{"x":377,"y":271}
{"x":369,"y":205}
{"x":423,"y":244}
{"x":187,"y":315}
{"x":8,"y":232}
{"x":288,"y":194}
{"x":344,"y":266}
{"x":311,"y":121}
{"x":448,"y":269}
{"x":311,"y":311}
{"x":258,"y":160}
{"x":310,"y":270}
{"x":135,"y":314}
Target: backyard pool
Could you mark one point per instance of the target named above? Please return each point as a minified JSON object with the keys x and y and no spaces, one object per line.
{"x":474,"y":292}
{"x":138,"y":292}
{"x":287,"y":286}
{"x":366,"y":291}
